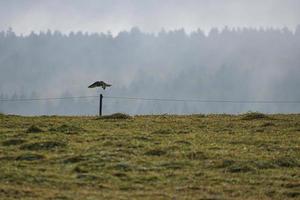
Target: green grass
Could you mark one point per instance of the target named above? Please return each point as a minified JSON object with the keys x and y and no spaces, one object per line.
{"x":250,"y":156}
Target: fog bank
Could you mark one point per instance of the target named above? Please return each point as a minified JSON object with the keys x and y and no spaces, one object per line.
{"x":227,"y":64}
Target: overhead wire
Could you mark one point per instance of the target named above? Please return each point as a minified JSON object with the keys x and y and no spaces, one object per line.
{"x":48,"y":98}
{"x":204,"y":100}
{"x":157,"y":99}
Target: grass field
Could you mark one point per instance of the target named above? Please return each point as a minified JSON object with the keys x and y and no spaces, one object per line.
{"x":250,"y":156}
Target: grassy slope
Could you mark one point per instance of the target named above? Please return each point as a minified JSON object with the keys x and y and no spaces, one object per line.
{"x":150,"y":157}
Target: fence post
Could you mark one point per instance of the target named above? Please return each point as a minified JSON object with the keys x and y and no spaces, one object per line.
{"x":100,"y":105}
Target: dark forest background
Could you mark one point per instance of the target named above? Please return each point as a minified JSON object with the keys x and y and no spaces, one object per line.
{"x":227,"y":64}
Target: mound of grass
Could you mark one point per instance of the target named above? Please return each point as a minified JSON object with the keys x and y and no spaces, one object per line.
{"x":293,"y":194}
{"x":122,"y":167}
{"x":34,"y":129}
{"x":74,"y":159}
{"x":13,"y":142}
{"x":236,"y":166}
{"x":143,"y":138}
{"x":163,"y":131}
{"x":68,"y":129}
{"x":198,"y":115}
{"x":87,"y":177}
{"x":30,"y":157}
{"x":116,"y":116}
{"x":291,"y":185}
{"x":7,"y":158}
{"x":261,"y":164}
{"x":121,"y":175}
{"x":156,"y":152}
{"x":183,"y":131}
{"x":183,"y":142}
{"x":49,"y":145}
{"x":225,"y":163}
{"x":240,"y":168}
{"x":197,"y":155}
{"x":267,"y":124}
{"x":287,"y":162}
{"x":174,"y":165}
{"x":254,"y":116}
{"x":249,"y":166}
{"x":80,"y":169}
{"x":16,"y":193}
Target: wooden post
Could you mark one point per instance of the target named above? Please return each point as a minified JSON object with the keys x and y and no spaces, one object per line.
{"x":100,"y":105}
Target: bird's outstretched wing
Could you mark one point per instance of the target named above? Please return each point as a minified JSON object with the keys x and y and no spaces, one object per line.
{"x":104,"y":85}
{"x":100,"y":84}
{"x":96,"y":84}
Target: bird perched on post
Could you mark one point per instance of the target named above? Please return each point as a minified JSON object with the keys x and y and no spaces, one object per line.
{"x":100,"y":84}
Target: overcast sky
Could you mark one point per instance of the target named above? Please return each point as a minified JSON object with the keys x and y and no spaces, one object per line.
{"x":150,"y":15}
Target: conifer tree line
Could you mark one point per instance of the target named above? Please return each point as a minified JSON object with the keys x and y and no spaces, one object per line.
{"x":227,"y":64}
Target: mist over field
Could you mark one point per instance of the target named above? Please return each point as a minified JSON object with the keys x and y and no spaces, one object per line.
{"x":227,"y":64}
{"x":149,"y":99}
{"x":172,"y":51}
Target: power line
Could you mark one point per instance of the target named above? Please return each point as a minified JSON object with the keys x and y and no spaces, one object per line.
{"x":49,"y":98}
{"x":156,"y":99}
{"x":204,"y":101}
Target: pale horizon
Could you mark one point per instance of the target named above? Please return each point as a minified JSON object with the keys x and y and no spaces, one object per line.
{"x":101,"y":16}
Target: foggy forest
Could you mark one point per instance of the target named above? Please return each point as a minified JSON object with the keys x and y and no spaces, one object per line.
{"x":235,"y":64}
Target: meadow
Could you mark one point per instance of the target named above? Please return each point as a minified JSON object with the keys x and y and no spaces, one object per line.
{"x":248,"y":156}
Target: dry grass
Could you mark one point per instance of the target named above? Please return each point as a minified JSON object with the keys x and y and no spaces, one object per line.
{"x":249,"y":156}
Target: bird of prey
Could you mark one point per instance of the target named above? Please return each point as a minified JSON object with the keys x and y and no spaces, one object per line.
{"x":100,"y":84}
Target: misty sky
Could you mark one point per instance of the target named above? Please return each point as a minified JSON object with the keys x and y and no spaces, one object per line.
{"x":257,"y":61}
{"x":149,"y":15}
